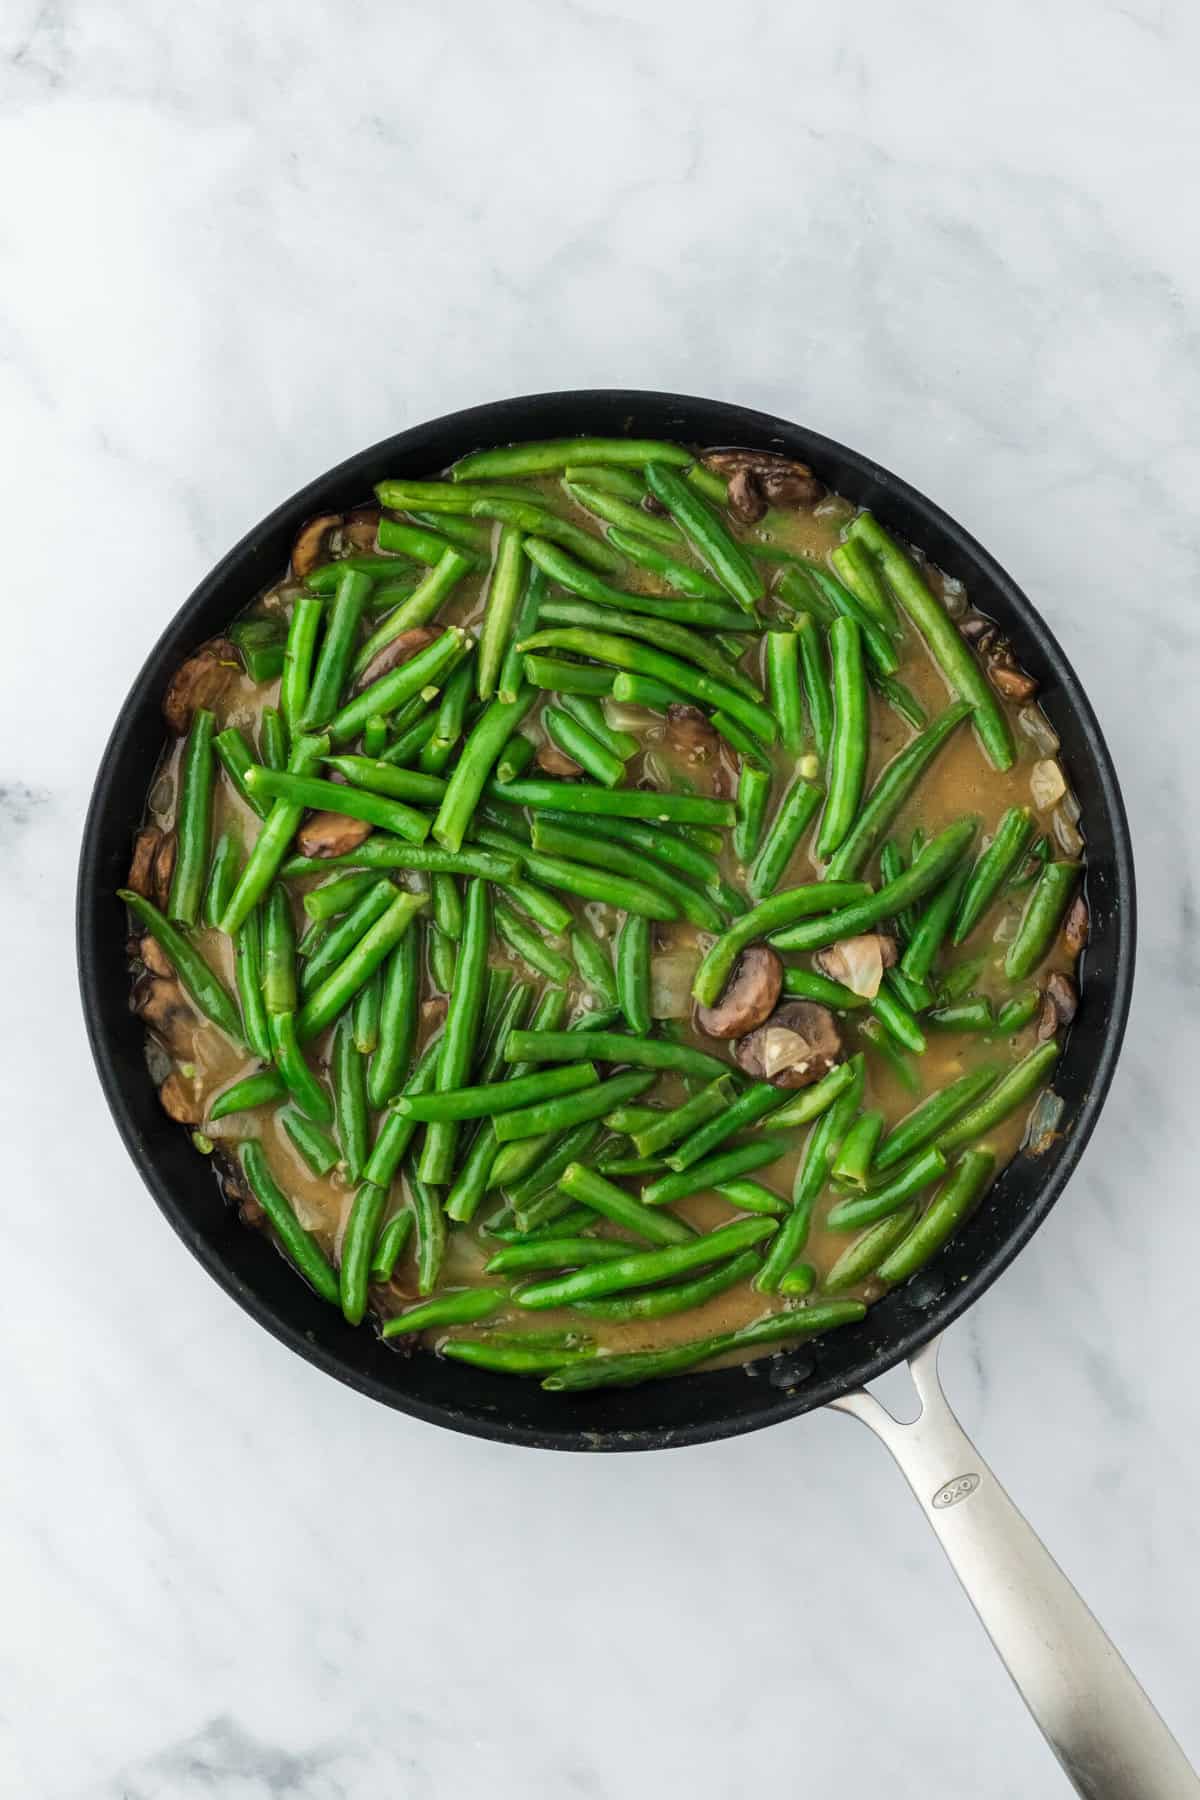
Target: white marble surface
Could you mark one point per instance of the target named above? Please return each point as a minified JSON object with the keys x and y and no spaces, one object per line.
{"x":237,"y":242}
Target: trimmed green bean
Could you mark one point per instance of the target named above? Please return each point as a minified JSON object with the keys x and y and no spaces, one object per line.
{"x":613,"y":1047}
{"x":614,"y":480}
{"x":447,"y":905}
{"x":931,"y":867}
{"x":348,"y":1076}
{"x":419,"y":542}
{"x":792,"y":818}
{"x":538,"y":522}
{"x":1041,"y":919}
{"x":428,"y":859}
{"x":208,"y":991}
{"x":713,"y":1170}
{"x":193,"y":820}
{"x":800,"y":1279}
{"x":864,"y":1255}
{"x":236,"y":757}
{"x":769,"y":917}
{"x":464,"y":1307}
{"x":878,"y":650}
{"x":594,"y":963}
{"x":427,"y":669}
{"x":963,"y":1015}
{"x":450,"y":718}
{"x":271,"y":845}
{"x":1015,"y":1014}
{"x":678,"y":1125}
{"x":628,"y":1369}
{"x":932,"y":925}
{"x":431,"y":1235}
{"x":300,"y":1247}
{"x":515,"y":758}
{"x":589,"y":713}
{"x":365,"y":1014}
{"x":717,"y":549}
{"x":531,"y":948}
{"x":651,"y":883}
{"x":278,"y":953}
{"x":460,"y":1037}
{"x":1011,"y":1091}
{"x":459,"y":530}
{"x":753,"y":1104}
{"x":356,"y":803}
{"x":259,"y":1089}
{"x":615,"y":609}
{"x":692,"y":583}
{"x":641,"y":1267}
{"x":653,"y":840}
{"x":343,"y":936}
{"x":337,"y":896}
{"x":852,"y":1165}
{"x":627,"y":515}
{"x":322,"y":1007}
{"x":516,"y":460}
{"x":927,"y":1166}
{"x":512,"y":1359}
{"x":853,"y":565}
{"x":753,"y":793}
{"x":620,"y":803}
{"x":555,"y":1253}
{"x":812,"y":1101}
{"x":851,"y":736}
{"x":821,"y":1146}
{"x":942,"y":1217}
{"x":337,"y":649}
{"x":260,"y":645}
{"x":751,"y":1196}
{"x":805,"y":984}
{"x":247,"y":974}
{"x":512,"y":669}
{"x":298,"y":653}
{"x":890,"y":792}
{"x":420,"y":608}
{"x":901,"y":699}
{"x":570,"y":1109}
{"x":783,"y":688}
{"x":682,"y":1296}
{"x":223,"y":871}
{"x":488,"y":737}
{"x":497,"y":1096}
{"x":503,"y":600}
{"x":575,"y":741}
{"x":552,"y":675}
{"x":992,"y":869}
{"x":302,"y":1084}
{"x":272,"y":739}
{"x":661,"y":632}
{"x":818,"y":688}
{"x":898,"y":1021}
{"x":358,"y":1243}
{"x":633,"y":973}
{"x":315,"y":1146}
{"x":396,"y":1133}
{"x":390,"y":1245}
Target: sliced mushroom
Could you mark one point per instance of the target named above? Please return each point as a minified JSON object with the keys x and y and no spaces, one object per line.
{"x":1010,"y":681}
{"x":749,"y":996}
{"x":153,"y":957}
{"x":163,"y":1007}
{"x":977,"y":630}
{"x":1076,"y":925}
{"x":331,"y":834}
{"x":179,"y":1100}
{"x":164,"y":868}
{"x":358,"y":532}
{"x":797,"y":1045}
{"x":200,"y":681}
{"x":746,"y":500}
{"x":402,"y":649}
{"x":858,"y":962}
{"x":1060,"y":1003}
{"x":690,"y":735}
{"x":553,"y":761}
{"x":312,"y":543}
{"x":236,"y":1190}
{"x":141,"y":869}
{"x":781,"y":480}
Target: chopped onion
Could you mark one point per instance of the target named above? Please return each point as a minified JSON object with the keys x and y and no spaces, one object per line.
{"x":954,"y":596}
{"x":1038,"y":730}
{"x":672,"y":973}
{"x":1044,"y":1122}
{"x":857,"y":963}
{"x":1047,"y":784}
{"x":1066,"y":832}
{"x":622,"y":715}
{"x":784,"y":1049}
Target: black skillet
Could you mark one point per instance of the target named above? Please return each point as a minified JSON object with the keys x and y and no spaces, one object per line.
{"x":698,"y":1407}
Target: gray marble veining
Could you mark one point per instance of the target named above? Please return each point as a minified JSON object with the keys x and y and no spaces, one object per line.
{"x":238,"y":243}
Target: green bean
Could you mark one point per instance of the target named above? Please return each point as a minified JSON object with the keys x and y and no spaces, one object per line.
{"x":556,"y":453}
{"x":858,"y":573}
{"x":458,"y":529}
{"x":396,"y":1133}
{"x":447,"y":906}
{"x":355,"y":803}
{"x":712,"y":1170}
{"x":613,"y":509}
{"x":272,"y":739}
{"x":891,"y":791}
{"x":315,"y":1146}
{"x":898,"y":1021}
{"x":963,"y":1015}
{"x":942,"y":1217}
{"x":625,"y":1120}
{"x":818,"y":689}
{"x":848,"y":1215}
{"x":362,"y":1228}
{"x":347,"y":1070}
{"x":264,"y":1086}
{"x":337,"y":649}
{"x":615,"y":609}
{"x":298,"y":1245}
{"x":783,"y":688}
{"x":270,"y":847}
{"x":497,"y":1096}
{"x":223,"y":872}
{"x":193,"y":821}
{"x":390,"y":1244}
{"x":895,"y":1058}
{"x":488,"y":737}
{"x":612,"y":1164}
{"x":901,"y":699}
{"x":578,"y":743}
{"x":554,"y":676}
{"x":753,"y":793}
{"x":1041,"y":919}
{"x":570,"y":1109}
{"x":641,"y":1267}
{"x":386,"y":853}
{"x":718,"y":550}
{"x":450,"y":720}
{"x":622,"y":803}
{"x":932,"y":866}
{"x":337,"y":896}
{"x":643,"y":690}
{"x":431,"y":1236}
{"x":530,"y":947}
{"x":959,"y":981}
{"x":878,"y":650}
{"x":536,"y":520}
{"x":542,"y":907}
{"x":655,"y":842}
{"x":804,"y":984}
{"x":693,"y":681}
{"x":753,"y":1104}
{"x":322,"y":1007}
{"x":343,"y":937}
{"x":692,"y":583}
{"x":628,"y":1369}
{"x":301,"y":1083}
{"x":665,"y":1302}
{"x":992,"y":869}
{"x":594,"y":963}
{"x":932,"y":924}
{"x":614,"y":480}
{"x":247,"y":973}
{"x":683,"y":1121}
{"x":851,"y":734}
{"x":515,"y":758}
{"x":460,"y":1036}
{"x":1011,"y":1091}
{"x":604,"y":1046}
{"x":428,"y":668}
{"x":415,"y":541}
{"x":411,"y":741}
{"x":208,"y":991}
{"x":512,"y":670}
{"x":536,"y":1197}
{"x":951,"y":654}
{"x":278,"y":953}
{"x":800,"y":1279}
{"x":852,"y":1165}
{"x":420,"y":608}
{"x":864,"y":1255}
{"x":770,"y":916}
{"x":260,"y":644}
{"x":511,"y":1359}
{"x":503,"y":600}
{"x":812,"y":1101}
{"x":463,"y":1307}
{"x":916,"y":995}
{"x":633,"y":974}
{"x":662,"y":631}
{"x":588,"y":712}
{"x":792,"y":818}
{"x":751,"y":1196}
{"x":1015,"y":1014}
{"x":506,"y":1009}
{"x":555,"y":1253}
{"x":305,"y":623}
{"x":820,"y":1148}
{"x":624,"y":1209}
{"x":365,"y":1014}
{"x":934,"y":1114}
{"x":236,"y":756}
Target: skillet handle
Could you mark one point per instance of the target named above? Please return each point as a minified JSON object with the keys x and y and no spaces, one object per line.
{"x":1094,"y":1714}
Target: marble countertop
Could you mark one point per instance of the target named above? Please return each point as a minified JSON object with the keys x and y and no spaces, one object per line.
{"x":238,"y":243}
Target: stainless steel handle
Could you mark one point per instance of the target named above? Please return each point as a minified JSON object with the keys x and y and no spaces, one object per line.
{"x":1093,"y":1712}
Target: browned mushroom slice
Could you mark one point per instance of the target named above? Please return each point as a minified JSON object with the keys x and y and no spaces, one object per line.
{"x":749,"y":996}
{"x":236,"y":1190}
{"x":331,"y":834}
{"x":358,"y":532}
{"x":312,"y":542}
{"x":179,"y":1100}
{"x":1062,"y":998}
{"x":798,"y":1044}
{"x":1075,"y":926}
{"x":1010,"y":681}
{"x":402,"y":649}
{"x":745,"y":498}
{"x":164,"y":868}
{"x":781,"y":480}
{"x":858,"y":962}
{"x":162,"y":1006}
{"x":154,"y":957}
{"x":200,"y":681}
{"x":146,"y":846}
{"x":553,"y":761}
{"x":690,"y":735}
{"x":977,"y":630}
